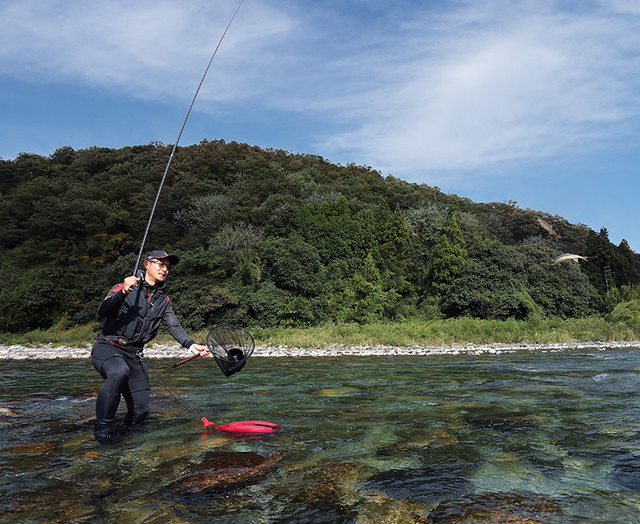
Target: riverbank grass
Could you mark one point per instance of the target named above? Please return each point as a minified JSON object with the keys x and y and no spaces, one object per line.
{"x":450,"y":332}
{"x":459,"y":331}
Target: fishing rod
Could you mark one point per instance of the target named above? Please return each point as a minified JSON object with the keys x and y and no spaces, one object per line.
{"x":175,"y":146}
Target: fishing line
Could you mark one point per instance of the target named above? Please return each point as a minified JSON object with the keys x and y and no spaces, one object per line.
{"x":175,"y":146}
{"x":169,"y":389}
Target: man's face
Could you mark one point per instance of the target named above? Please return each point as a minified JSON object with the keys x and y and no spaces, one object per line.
{"x":157,"y":269}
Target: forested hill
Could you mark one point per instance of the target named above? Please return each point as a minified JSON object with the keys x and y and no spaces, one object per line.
{"x":267,"y":237}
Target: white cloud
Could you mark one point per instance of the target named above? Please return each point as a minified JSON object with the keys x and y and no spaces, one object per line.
{"x":148,"y":49}
{"x":515,"y":85}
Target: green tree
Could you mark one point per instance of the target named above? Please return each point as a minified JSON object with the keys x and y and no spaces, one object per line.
{"x":332,"y":229}
{"x":360,"y":297}
{"x":293,"y":264}
{"x":199,"y":294}
{"x":625,"y":266}
{"x":490,"y":286}
{"x":561,"y":290}
{"x":394,"y":241}
{"x":447,"y":259}
{"x":279,"y":238}
{"x":600,"y":253}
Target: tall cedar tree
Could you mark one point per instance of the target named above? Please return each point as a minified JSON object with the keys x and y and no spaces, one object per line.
{"x":447,"y":259}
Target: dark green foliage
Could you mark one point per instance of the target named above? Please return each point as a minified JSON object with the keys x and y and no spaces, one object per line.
{"x":197,"y":297}
{"x":333,"y":230}
{"x":267,"y":305}
{"x":361,"y":296}
{"x":600,"y":252}
{"x":618,"y":295}
{"x":562,"y":290}
{"x":273,"y":238}
{"x":391,"y":238}
{"x":292,"y":264}
{"x":490,"y":285}
{"x":609,"y":266}
{"x":447,"y":259}
{"x":277,"y":214}
{"x":627,"y":313}
{"x":38,"y":299}
{"x":501,"y":281}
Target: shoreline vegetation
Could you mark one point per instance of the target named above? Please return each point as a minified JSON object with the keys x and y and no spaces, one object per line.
{"x":268,"y":237}
{"x":364,"y":338}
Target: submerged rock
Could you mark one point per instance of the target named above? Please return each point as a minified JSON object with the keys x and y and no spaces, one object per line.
{"x":500,"y":419}
{"x":88,"y":422}
{"x":443,"y":473}
{"x":626,"y":470}
{"x":7,"y":413}
{"x":505,"y":508}
{"x":378,"y":507}
{"x":322,"y":494}
{"x":56,"y":503}
{"x":228,"y":471}
{"x":34,"y":448}
{"x":328,"y":483}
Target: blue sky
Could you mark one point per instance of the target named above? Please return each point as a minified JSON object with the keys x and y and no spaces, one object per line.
{"x":534,"y":101}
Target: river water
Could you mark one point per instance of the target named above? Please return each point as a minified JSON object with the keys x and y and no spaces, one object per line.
{"x":518,"y":437}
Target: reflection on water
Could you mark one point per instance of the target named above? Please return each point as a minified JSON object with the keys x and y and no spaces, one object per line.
{"x":542,"y":437}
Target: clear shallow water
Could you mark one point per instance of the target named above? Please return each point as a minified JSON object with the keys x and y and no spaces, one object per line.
{"x":521,"y":437}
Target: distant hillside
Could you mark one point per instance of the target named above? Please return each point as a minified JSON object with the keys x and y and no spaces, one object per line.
{"x":269,"y":237}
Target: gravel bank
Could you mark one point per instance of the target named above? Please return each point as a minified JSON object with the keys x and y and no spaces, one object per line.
{"x":50,"y":351}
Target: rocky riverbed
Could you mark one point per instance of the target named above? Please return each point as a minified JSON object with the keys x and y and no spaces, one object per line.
{"x":49,"y":351}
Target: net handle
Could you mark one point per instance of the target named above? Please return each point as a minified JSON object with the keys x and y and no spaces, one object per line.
{"x":185,"y":361}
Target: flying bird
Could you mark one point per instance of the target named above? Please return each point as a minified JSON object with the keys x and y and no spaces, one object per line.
{"x":548,"y":228}
{"x":568,"y":256}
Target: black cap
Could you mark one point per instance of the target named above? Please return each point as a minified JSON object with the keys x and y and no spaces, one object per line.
{"x":159,"y":253}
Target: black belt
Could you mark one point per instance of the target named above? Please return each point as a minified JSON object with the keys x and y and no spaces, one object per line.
{"x":121,"y":343}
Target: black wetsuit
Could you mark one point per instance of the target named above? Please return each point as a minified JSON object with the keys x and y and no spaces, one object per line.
{"x":131,"y":321}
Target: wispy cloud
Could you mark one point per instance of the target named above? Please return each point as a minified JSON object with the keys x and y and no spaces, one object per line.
{"x":148,"y":49}
{"x":489,"y":85}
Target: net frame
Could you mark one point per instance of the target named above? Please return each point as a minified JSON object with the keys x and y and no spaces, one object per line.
{"x":230,"y":343}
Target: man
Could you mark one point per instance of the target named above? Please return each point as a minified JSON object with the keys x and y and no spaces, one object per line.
{"x":133,"y":311}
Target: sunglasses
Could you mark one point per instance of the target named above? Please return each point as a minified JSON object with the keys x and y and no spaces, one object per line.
{"x":160,"y":264}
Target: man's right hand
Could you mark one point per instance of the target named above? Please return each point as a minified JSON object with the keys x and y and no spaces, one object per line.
{"x":129,"y":284}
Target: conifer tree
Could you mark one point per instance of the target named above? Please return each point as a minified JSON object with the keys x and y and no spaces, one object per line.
{"x":447,"y":259}
{"x":394,"y":240}
{"x":600,"y":253}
